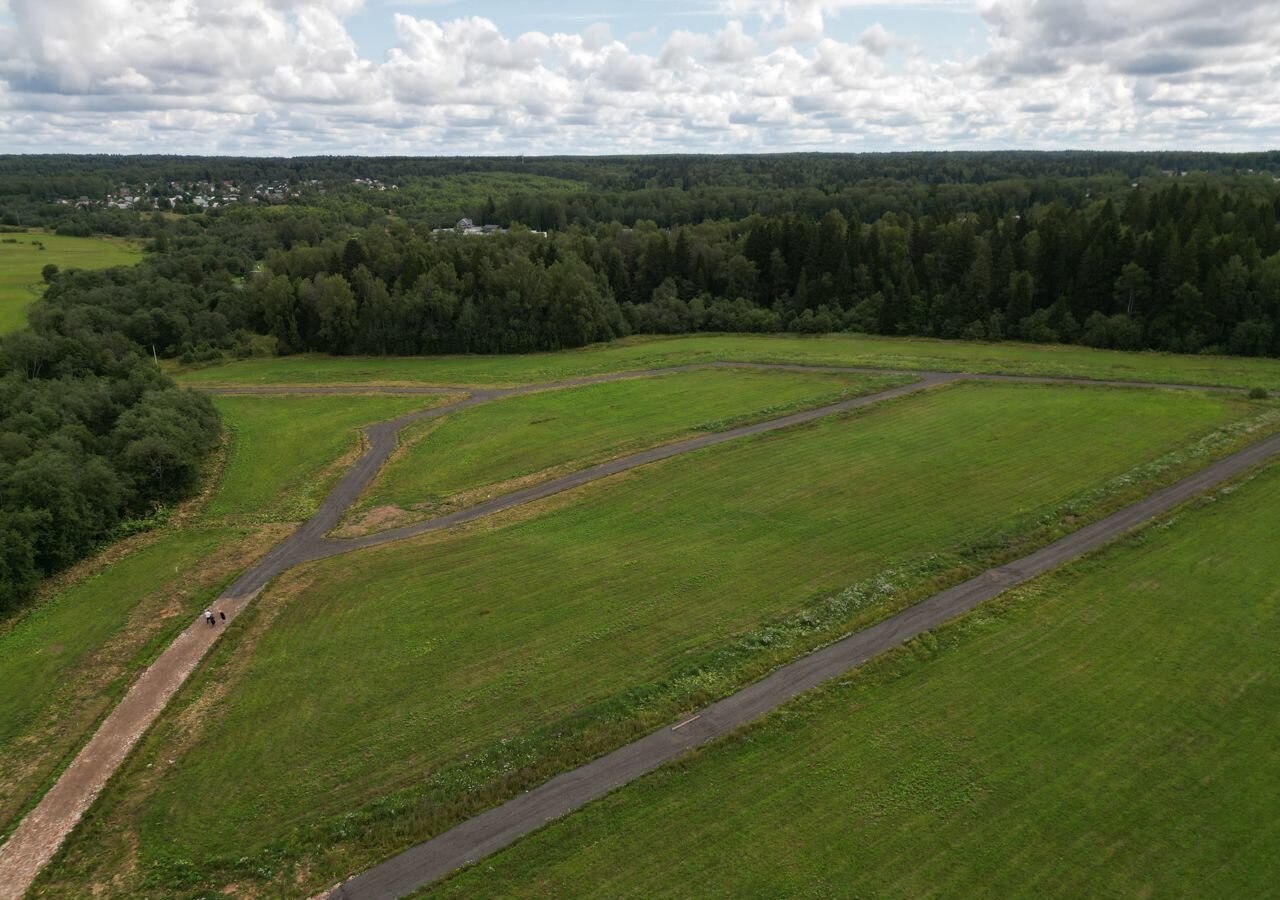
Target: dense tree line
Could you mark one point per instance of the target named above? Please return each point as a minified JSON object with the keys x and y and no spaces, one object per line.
{"x":1174,"y":267}
{"x":92,"y":436}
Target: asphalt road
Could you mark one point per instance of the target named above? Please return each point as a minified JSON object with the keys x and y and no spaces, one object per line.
{"x":498,"y":827}
{"x":38,"y":836}
{"x":36,"y":839}
{"x":309,"y":542}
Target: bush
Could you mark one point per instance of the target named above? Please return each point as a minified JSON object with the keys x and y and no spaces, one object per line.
{"x":1117,"y":332}
{"x":1258,"y":393}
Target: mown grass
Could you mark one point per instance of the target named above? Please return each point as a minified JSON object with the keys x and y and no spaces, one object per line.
{"x":836,"y":349}
{"x":283,"y":445}
{"x":399,"y":689}
{"x":64,"y":663}
{"x":22,"y":261}
{"x":523,"y":435}
{"x":1107,"y":731}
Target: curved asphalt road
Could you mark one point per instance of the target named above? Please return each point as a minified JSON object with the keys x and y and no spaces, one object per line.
{"x":42,"y":831}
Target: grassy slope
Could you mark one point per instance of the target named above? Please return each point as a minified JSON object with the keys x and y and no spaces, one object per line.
{"x":399,"y":662}
{"x":62,"y":664}
{"x":21,"y":262}
{"x":524,"y":435}
{"x":1107,"y":731}
{"x":841,"y":349}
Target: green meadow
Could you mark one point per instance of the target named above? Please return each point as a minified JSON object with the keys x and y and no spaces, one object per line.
{"x":835,"y":349}
{"x":22,"y":259}
{"x":66,"y":661}
{"x":545,"y":433}
{"x":370,"y":700}
{"x":286,"y":450}
{"x":1106,"y":731}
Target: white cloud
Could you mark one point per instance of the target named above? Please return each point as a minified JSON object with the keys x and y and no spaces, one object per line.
{"x":285,"y":76}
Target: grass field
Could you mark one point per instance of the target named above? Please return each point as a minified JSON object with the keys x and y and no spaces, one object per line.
{"x":524,"y":435}
{"x":65,"y":662}
{"x":1107,"y":731}
{"x":838,"y":349}
{"x":22,"y":261}
{"x":282,"y":447}
{"x":457,"y":668}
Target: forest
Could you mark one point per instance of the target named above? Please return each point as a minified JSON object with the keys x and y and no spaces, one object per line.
{"x":94,"y":443}
{"x":1171,"y":266}
{"x":1174,"y":251}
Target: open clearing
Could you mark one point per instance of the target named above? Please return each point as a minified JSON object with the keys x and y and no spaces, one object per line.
{"x":1107,"y":730}
{"x":282,"y":446}
{"x":63,"y":663}
{"x":524,"y":435}
{"x":837,"y":350}
{"x":22,"y":261}
{"x":620,"y":609}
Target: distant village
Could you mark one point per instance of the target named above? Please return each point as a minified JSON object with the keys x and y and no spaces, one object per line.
{"x":178,"y":195}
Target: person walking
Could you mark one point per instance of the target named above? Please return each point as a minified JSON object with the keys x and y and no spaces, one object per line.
{"x":222,"y":614}
{"x":208,"y":616}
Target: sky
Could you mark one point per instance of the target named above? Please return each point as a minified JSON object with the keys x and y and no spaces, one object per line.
{"x":497,"y":77}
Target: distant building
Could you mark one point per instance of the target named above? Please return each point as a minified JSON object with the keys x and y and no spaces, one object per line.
{"x":471,"y":229}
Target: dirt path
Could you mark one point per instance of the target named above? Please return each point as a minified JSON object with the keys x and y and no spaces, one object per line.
{"x":498,"y":827}
{"x":38,"y":837}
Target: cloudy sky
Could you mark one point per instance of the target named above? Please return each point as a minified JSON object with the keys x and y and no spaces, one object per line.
{"x":295,"y":77}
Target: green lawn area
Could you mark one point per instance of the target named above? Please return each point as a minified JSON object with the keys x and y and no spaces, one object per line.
{"x":284,"y":450}
{"x":523,"y":435}
{"x":1107,"y":731}
{"x":63,"y":664}
{"x":22,"y":261}
{"x":403,"y":686}
{"x":836,"y":349}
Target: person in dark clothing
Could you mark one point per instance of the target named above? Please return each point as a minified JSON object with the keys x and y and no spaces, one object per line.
{"x":222,"y":615}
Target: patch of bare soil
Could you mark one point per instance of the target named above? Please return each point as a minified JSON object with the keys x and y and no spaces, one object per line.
{"x":380,"y":518}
